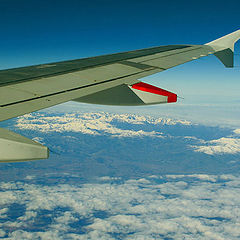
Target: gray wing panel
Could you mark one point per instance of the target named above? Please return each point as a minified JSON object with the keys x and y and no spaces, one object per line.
{"x":58,"y":68}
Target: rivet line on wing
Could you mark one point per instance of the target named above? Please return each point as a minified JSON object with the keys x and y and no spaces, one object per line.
{"x":72,"y":89}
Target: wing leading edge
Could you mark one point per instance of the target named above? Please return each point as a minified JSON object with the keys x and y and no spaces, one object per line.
{"x":109,"y":79}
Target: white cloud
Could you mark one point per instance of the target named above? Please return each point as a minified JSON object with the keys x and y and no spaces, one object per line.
{"x":224,"y":145}
{"x":227,"y":177}
{"x":29,"y":215}
{"x":204,"y":177}
{"x":3,"y":212}
{"x":195,"y":206}
{"x":7,"y":197}
{"x":29,"y":177}
{"x":237,"y":131}
{"x":108,"y":178}
{"x":2,"y":233}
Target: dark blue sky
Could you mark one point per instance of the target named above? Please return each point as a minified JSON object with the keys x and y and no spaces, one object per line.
{"x":35,"y":31}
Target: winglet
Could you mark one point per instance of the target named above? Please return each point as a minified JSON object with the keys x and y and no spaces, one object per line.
{"x":225,"y":42}
{"x":224,"y":48}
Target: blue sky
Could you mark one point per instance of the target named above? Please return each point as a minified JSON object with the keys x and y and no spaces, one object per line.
{"x":40,"y":31}
{"x":34,"y":32}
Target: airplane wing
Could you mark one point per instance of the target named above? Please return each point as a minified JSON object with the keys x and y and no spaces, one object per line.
{"x":109,"y":79}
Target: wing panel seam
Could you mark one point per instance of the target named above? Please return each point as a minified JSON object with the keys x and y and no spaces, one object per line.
{"x":170,"y":55}
{"x":73,"y":89}
{"x":107,"y":62}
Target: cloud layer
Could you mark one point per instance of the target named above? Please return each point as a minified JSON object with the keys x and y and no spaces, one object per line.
{"x":157,"y":207}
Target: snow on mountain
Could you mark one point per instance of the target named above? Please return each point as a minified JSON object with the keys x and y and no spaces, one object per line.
{"x":220,"y":146}
{"x":127,"y":125}
{"x":93,"y":123}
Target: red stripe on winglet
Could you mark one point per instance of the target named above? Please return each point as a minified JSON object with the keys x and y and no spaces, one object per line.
{"x":172,"y":97}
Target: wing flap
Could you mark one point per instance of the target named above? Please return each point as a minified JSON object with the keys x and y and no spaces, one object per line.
{"x":134,"y":95}
{"x":15,"y":148}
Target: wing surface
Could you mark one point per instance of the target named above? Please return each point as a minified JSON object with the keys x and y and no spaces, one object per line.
{"x":27,"y":89}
